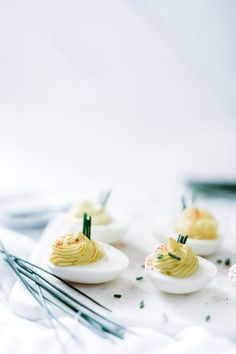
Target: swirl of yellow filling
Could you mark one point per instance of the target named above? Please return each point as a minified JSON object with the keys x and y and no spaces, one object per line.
{"x":75,"y":249}
{"x":98,"y":213}
{"x":175,"y":259}
{"x":197,"y":224}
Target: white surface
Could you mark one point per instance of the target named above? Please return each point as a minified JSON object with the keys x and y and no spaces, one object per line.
{"x":165,"y":227}
{"x":172,"y":285}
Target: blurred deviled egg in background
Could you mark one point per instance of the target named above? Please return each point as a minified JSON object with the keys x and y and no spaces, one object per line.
{"x":198,"y":224}
{"x":107,"y":227}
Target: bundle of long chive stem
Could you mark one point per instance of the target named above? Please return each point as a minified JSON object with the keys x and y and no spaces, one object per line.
{"x":51,"y":296}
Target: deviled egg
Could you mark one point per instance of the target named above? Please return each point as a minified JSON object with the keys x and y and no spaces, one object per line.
{"x":200,"y":226}
{"x":106,"y":227}
{"x":75,"y":257}
{"x":174,"y":268}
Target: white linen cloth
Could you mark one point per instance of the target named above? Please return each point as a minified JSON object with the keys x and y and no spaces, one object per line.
{"x":28,"y":337}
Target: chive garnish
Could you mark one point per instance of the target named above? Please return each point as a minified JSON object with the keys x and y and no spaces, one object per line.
{"x":227,"y":261}
{"x":208,"y":317}
{"x":182,"y":239}
{"x":103,"y":199}
{"x":139,"y":278}
{"x":84,"y":223}
{"x":160,"y":256}
{"x":87,"y":221}
{"x":174,"y":256}
{"x":219,"y":261}
{"x":118,"y":296}
{"x":141,"y":304}
{"x":143,"y":265}
{"x":184,"y":205}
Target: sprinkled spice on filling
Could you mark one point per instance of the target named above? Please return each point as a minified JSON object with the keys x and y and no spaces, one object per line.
{"x":75,"y":249}
{"x":139,"y":278}
{"x":117,"y":296}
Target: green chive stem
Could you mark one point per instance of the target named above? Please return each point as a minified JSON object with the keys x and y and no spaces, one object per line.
{"x":104,"y":197}
{"x":174,"y":256}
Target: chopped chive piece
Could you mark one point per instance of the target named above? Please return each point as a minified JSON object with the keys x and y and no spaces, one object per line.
{"x":139,"y":278}
{"x":178,"y":239}
{"x":227,"y":262}
{"x":117,"y":296}
{"x":208,"y":317}
{"x":184,"y":206}
{"x":143,"y":265}
{"x":141,"y":304}
{"x":160,"y":256}
{"x":219,"y":261}
{"x":174,"y":256}
{"x":185,"y":239}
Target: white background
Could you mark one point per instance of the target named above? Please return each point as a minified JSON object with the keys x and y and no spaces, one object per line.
{"x":125,"y":94}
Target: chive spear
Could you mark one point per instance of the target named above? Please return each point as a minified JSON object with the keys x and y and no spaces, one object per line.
{"x":87,"y":316}
{"x":87,"y":221}
{"x":84,"y":223}
{"x":104,"y":197}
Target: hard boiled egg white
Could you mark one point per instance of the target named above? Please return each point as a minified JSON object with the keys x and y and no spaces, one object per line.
{"x":111,"y":233}
{"x":165,"y":227}
{"x":173,"y":285}
{"x":108,"y":268}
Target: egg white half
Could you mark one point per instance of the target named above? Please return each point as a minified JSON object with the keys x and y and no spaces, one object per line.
{"x":108,"y":268}
{"x":173,"y":285}
{"x":111,"y":233}
{"x":165,"y":227}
